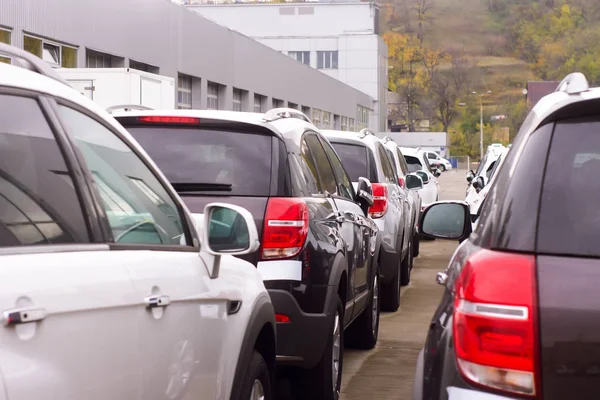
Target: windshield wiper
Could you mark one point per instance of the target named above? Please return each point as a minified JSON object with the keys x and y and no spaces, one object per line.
{"x":201,"y":187}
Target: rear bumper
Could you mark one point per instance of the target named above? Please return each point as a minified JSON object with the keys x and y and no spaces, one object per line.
{"x":301,"y":341}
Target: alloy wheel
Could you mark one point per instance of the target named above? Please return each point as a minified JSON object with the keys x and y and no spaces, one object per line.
{"x":375,"y":309}
{"x":336,"y":351}
{"x":258,"y":391}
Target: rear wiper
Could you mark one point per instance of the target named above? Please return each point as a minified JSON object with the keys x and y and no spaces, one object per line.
{"x":201,"y":187}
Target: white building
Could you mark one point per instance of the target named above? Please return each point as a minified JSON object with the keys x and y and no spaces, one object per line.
{"x":340,"y":39}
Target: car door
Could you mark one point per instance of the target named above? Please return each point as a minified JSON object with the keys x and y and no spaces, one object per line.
{"x":363,"y":228}
{"x":182,"y":312}
{"x":70,"y":317}
{"x":347,"y":227}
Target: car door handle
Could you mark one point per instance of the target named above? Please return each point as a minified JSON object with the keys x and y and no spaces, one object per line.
{"x":16,"y":316}
{"x":157,"y":301}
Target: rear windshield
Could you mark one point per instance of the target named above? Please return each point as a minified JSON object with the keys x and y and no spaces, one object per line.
{"x":414,"y":164}
{"x":354,"y":159}
{"x":209,"y":161}
{"x":569,"y":221}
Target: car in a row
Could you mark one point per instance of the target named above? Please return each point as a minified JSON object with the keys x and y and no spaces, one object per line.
{"x":519,"y":310}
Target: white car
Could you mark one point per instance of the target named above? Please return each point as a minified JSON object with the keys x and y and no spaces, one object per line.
{"x":417,"y":162}
{"x":479,"y":189}
{"x":109,"y":288}
{"x":435,"y":159}
{"x":485,"y":168}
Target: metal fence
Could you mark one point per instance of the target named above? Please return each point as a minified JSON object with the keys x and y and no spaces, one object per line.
{"x":460,"y":162}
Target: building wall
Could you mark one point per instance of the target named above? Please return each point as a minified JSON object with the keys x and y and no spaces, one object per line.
{"x":348,"y":28}
{"x":178,"y":41}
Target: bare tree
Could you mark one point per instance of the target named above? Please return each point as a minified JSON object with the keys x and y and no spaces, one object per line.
{"x":445,"y":100}
{"x":422,"y":7}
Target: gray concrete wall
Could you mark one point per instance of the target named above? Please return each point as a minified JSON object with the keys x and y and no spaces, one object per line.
{"x":175,"y":39}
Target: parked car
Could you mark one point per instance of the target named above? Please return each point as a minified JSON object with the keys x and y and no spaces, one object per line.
{"x":417,"y":163}
{"x":411,"y":183}
{"x":364,"y":155}
{"x":484,"y":170}
{"x":480,"y":189}
{"x":319,"y":251}
{"x":440,"y":162}
{"x":518,"y":317}
{"x":110,"y":288}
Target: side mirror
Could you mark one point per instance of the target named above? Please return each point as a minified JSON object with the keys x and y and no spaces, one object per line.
{"x":478,"y":183}
{"x":414,"y":182}
{"x":424,"y":176}
{"x":470,"y":176}
{"x":364,"y":195}
{"x":437,"y":173}
{"x":446,"y":220}
{"x":226,"y":229}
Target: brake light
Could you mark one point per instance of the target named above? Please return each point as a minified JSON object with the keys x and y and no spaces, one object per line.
{"x":495,"y":322}
{"x":285,"y":228}
{"x":380,"y":200}
{"x":159,"y":119}
{"x":401,"y":182}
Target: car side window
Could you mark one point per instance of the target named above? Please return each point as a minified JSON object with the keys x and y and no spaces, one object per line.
{"x":323,"y":167}
{"x":431,"y":156}
{"x":38,"y":200}
{"x":402,"y":161}
{"x":388,"y":172}
{"x":308,"y":169}
{"x":344,"y":185}
{"x":138,"y":207}
{"x":393,"y":162}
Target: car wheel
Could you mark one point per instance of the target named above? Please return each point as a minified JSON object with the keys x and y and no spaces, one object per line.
{"x":257,"y":383}
{"x":390,"y":296}
{"x":416,"y":243}
{"x":363,"y":332}
{"x":325,"y":379}
{"x":443,"y":167}
{"x":406,"y":266}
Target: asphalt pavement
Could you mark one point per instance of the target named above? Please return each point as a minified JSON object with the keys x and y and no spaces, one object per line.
{"x":387,"y":371}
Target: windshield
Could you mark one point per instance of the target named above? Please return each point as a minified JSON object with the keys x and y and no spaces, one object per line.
{"x":354,"y":158}
{"x":209,"y":161}
{"x":413,"y":163}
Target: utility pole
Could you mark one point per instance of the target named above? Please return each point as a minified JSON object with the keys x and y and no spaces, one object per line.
{"x":481,"y":128}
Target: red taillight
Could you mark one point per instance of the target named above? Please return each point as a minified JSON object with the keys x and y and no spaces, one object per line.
{"x":494,"y":322}
{"x":282,"y":318}
{"x":380,"y":200}
{"x":285,"y":228}
{"x":159,"y":119}
{"x":401,"y":182}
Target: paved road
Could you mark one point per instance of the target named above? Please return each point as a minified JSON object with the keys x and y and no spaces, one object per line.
{"x":387,"y":371}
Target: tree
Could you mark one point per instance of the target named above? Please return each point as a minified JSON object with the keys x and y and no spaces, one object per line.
{"x":445,"y":100}
{"x":422,"y":8}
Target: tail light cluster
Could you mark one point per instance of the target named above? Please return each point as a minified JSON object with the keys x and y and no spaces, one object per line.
{"x":380,"y":200}
{"x":401,"y":182}
{"x":285,"y":228}
{"x":495,"y":322}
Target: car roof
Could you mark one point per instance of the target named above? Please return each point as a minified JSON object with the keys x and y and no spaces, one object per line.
{"x":285,"y":128}
{"x":409,"y":151}
{"x":350,"y":137}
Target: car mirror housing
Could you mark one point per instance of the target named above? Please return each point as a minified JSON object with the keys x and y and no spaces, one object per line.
{"x":446,"y":220}
{"x":364,"y":194}
{"x":414,"y":182}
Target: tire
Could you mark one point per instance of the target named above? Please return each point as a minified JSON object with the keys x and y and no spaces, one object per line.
{"x":416,"y":243}
{"x":406,"y":267}
{"x":320,"y":383}
{"x":257,"y":381}
{"x":443,"y":167}
{"x":390,"y":296}
{"x":364,"y":331}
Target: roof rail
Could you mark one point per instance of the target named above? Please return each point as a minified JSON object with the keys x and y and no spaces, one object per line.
{"x":127,"y":107}
{"x":283,"y":112}
{"x":387,"y":139}
{"x":364,"y":132}
{"x":32,"y":62}
{"x":573,"y":84}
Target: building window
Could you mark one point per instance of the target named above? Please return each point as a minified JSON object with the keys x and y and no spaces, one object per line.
{"x":212,"y":101}
{"x":326,"y":120}
{"x":258,"y":102}
{"x":351,"y":126}
{"x":277,"y":103}
{"x":316,"y":117}
{"x":327,"y":59}
{"x":140,"y":66}
{"x":51,"y":52}
{"x":97,"y":59}
{"x":184,"y":92}
{"x":5,"y":38}
{"x":344,"y":126}
{"x":237,"y":100}
{"x":362,"y":117}
{"x":302,"y":56}
{"x":293,"y":105}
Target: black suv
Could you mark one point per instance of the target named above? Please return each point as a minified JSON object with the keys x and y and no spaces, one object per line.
{"x":319,"y":247}
{"x":520,"y":310}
